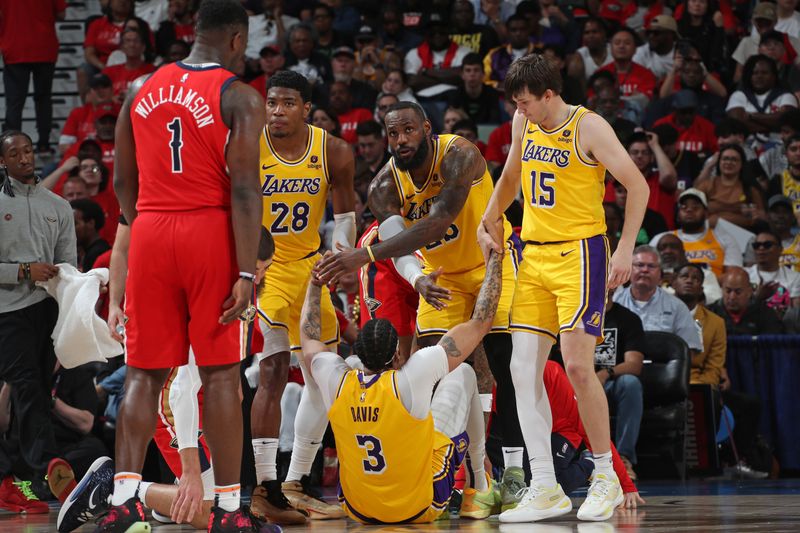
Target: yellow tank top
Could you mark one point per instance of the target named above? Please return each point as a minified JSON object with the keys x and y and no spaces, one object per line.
{"x":791,"y":189}
{"x":385,"y":454}
{"x":562,"y":187}
{"x":790,"y":256}
{"x":458,"y":251}
{"x":706,"y":250}
{"x":295,"y":194}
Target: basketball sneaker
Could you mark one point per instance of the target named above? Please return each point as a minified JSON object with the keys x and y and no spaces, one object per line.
{"x":605,"y":494}
{"x":18,"y":497}
{"x":268,"y":503}
{"x":60,"y":478}
{"x":238,"y":521}
{"x":537,"y":503}
{"x":480,"y":504}
{"x":126,"y":518}
{"x":89,"y":498}
{"x":512,"y":483}
{"x":300,"y":498}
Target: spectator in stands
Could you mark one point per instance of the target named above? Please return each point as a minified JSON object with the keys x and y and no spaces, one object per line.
{"x":500,"y":139}
{"x":80,"y":123}
{"x":498,"y":60}
{"x":606,"y":102}
{"x":28,"y":314}
{"x":479,"y":38}
{"x":614,"y":217}
{"x":29,"y":48}
{"x":346,"y":18}
{"x":271,"y":61}
{"x":729,"y":131}
{"x":695,"y":133}
{"x":495,"y":14}
{"x":708,"y":364}
{"x":773,"y":161}
{"x":714,"y":247}
{"x":732,"y":194}
{"x":673,"y":256}
{"x":782,"y":222}
{"x":121,"y":76}
{"x":179,"y":26}
{"x":177,"y":51}
{"x":372,"y":154}
{"x":773,"y":45}
{"x":117,"y":57}
{"x":764,"y":17}
{"x":303,"y":58}
{"x":374,"y":61}
{"x":689,"y":72}
{"x":343,"y":66}
{"x":268,"y":28}
{"x":788,"y":182}
{"x":396,"y":83}
{"x":341,"y":103}
{"x":635,"y":81}
{"x":89,"y":220}
{"x":393,"y":32}
{"x":539,"y":34}
{"x":328,"y":39}
{"x":653,"y":223}
{"x":658,"y":54}
{"x":102,"y":38}
{"x":743,"y":314}
{"x":572,"y":90}
{"x":74,"y":189}
{"x":618,"y":361}
{"x":687,"y":164}
{"x":382,"y":105}
{"x":595,"y":52}
{"x":451,"y":116}
{"x":326,"y":119}
{"x":776,"y":285}
{"x":760,"y":101}
{"x":479,"y":100}
{"x":788,"y":18}
{"x":469,"y":130}
{"x":701,"y":23}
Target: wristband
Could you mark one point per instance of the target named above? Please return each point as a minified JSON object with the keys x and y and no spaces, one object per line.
{"x":26,"y":271}
{"x":248,"y":276}
{"x":371,"y":255}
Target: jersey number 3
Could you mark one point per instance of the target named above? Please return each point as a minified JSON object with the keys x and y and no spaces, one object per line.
{"x":175,"y":145}
{"x":375,"y":463}
{"x":543,"y":194}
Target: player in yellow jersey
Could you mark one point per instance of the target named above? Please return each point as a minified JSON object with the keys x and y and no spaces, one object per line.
{"x":400,"y":443}
{"x":559,"y":154}
{"x":300,"y":166}
{"x":430,"y":197}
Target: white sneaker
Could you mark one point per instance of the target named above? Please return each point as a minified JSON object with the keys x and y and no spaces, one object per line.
{"x":538,"y":503}
{"x":605,"y":494}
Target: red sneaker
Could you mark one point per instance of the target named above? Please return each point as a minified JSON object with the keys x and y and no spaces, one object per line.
{"x":18,"y":497}
{"x":60,"y":478}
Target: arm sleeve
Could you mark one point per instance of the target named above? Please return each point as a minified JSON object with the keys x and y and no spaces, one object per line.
{"x":407,"y":265}
{"x":417,"y":378}
{"x":328,"y":370}
{"x":183,"y":403}
{"x":344,"y":230}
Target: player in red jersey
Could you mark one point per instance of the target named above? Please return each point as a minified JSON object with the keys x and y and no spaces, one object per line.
{"x":187,"y":181}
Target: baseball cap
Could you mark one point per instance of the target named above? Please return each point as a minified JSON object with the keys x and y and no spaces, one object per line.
{"x":99,"y":80}
{"x":664,"y":23}
{"x":365,"y":32}
{"x":694,"y":193}
{"x":107,"y":109}
{"x":270,"y":50}
{"x":436,"y":19}
{"x":765,"y":10}
{"x":779,"y":199}
{"x":771,"y":36}
{"x":684,"y":99}
{"x":344,"y":51}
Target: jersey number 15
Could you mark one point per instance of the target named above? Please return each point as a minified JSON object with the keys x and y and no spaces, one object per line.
{"x":543,"y":194}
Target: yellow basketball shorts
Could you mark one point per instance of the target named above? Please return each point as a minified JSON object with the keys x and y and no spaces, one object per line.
{"x":282,"y":298}
{"x":464,"y":288}
{"x":562,"y":286}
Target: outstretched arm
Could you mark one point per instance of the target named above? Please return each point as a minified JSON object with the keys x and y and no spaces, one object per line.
{"x":311,"y":321}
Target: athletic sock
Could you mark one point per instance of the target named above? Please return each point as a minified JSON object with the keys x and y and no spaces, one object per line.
{"x":512,"y":456}
{"x":143,"y":486}
{"x":603,"y":463}
{"x":265,"y":452}
{"x":125,"y":485}
{"x":304,"y":451}
{"x":227,"y":497}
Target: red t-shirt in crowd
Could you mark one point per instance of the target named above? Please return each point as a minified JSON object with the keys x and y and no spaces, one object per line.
{"x":350,"y":120}
{"x":620,"y":13}
{"x":121,"y":76}
{"x":699,"y":137}
{"x":184,"y":32}
{"x":660,"y":201}
{"x":80,"y":123}
{"x":108,"y":160}
{"x":637,"y":80}
{"x":28,"y":30}
{"x":104,"y":36}
{"x":499,"y":144}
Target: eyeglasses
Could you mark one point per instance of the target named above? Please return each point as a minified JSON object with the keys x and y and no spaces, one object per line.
{"x":641,"y":266}
{"x":90,"y":168}
{"x":766,"y":245}
{"x":731,"y":159}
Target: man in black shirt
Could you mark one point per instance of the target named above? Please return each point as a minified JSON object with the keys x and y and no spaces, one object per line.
{"x":89,"y":220}
{"x":742,"y":314}
{"x":480,"y":101}
{"x":477,"y":37}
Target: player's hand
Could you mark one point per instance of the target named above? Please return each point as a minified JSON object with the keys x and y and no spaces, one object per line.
{"x":43,"y":271}
{"x":490,"y":237}
{"x":237,"y":302}
{"x":315,"y":279}
{"x":332,"y":267}
{"x":620,"y":268}
{"x":632,"y":499}
{"x":434,"y":294}
{"x":116,"y":322}
{"x":189,"y":498}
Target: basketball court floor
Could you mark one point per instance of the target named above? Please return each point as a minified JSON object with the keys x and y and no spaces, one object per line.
{"x":697,"y":506}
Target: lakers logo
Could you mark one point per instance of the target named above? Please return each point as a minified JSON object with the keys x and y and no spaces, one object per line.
{"x":363,"y":397}
{"x":595,"y":320}
{"x":462,"y":444}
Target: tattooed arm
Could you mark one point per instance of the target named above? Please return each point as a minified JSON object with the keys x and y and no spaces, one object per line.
{"x":310,"y":322}
{"x":460,"y":341}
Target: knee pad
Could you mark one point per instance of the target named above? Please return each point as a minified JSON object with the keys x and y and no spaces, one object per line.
{"x":276,"y":340}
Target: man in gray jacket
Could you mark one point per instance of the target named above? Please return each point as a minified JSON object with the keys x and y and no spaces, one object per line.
{"x":37,"y":231}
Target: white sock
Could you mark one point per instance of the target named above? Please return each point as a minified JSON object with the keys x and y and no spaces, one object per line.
{"x":603,"y":463}
{"x":512,"y":457}
{"x":143,"y":486}
{"x":265,"y":451}
{"x":125,"y":485}
{"x":228,"y":497}
{"x":309,"y":428}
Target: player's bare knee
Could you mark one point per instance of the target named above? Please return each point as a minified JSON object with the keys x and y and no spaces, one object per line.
{"x":581,"y":375}
{"x":221,"y":377}
{"x":273,"y":373}
{"x":145,"y":380}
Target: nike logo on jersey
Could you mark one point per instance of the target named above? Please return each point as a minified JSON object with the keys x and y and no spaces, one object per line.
{"x":530,"y":132}
{"x":410,"y":196}
{"x":267,"y":167}
{"x":567,"y":252}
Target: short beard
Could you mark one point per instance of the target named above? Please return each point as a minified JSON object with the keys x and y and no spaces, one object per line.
{"x":342,"y":77}
{"x":416,"y":160}
{"x":693,"y":227}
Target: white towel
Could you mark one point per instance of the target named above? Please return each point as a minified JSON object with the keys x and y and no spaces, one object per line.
{"x":80,"y":336}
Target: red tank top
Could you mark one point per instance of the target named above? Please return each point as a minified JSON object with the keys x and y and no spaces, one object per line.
{"x":181,"y":138}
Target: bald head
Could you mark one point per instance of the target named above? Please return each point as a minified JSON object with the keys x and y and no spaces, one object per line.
{"x":736,"y":289}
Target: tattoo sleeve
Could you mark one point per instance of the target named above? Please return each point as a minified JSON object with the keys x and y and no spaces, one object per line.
{"x":450,"y":347}
{"x":311,"y":325}
{"x":486,"y":305}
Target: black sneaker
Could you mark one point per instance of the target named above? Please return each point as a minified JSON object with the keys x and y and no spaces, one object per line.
{"x":89,"y":498}
{"x":239,"y":521}
{"x":268,"y":503}
{"x":126,"y":518}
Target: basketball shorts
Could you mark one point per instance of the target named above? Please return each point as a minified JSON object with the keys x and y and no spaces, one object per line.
{"x":181,"y":268}
{"x":464,"y":288}
{"x":384,"y":294}
{"x":282,"y":298}
{"x":562,"y":286}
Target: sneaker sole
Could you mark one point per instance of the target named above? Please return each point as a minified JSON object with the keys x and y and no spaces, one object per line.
{"x":139,"y":527}
{"x":605,"y":516}
{"x":62,"y":488}
{"x":22,"y":510}
{"x":68,"y":502}
{"x":475,"y":515}
{"x":563,"y":507}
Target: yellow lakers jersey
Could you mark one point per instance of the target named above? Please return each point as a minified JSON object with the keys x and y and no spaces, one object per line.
{"x":562,"y":187}
{"x":791,"y":189}
{"x":295,"y":194}
{"x":706,"y":250}
{"x":458,"y":251}
{"x":385,"y":454}
{"x":790,"y":256}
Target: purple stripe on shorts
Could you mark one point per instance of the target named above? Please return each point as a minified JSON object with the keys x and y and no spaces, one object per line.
{"x":443,"y":486}
{"x":597,"y":264}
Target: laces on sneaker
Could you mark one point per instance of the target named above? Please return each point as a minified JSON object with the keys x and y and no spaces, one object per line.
{"x":599,"y":489}
{"x":526,"y":494}
{"x":25,"y":488}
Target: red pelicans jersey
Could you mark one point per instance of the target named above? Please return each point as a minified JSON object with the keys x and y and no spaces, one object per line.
{"x":181,"y":139}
